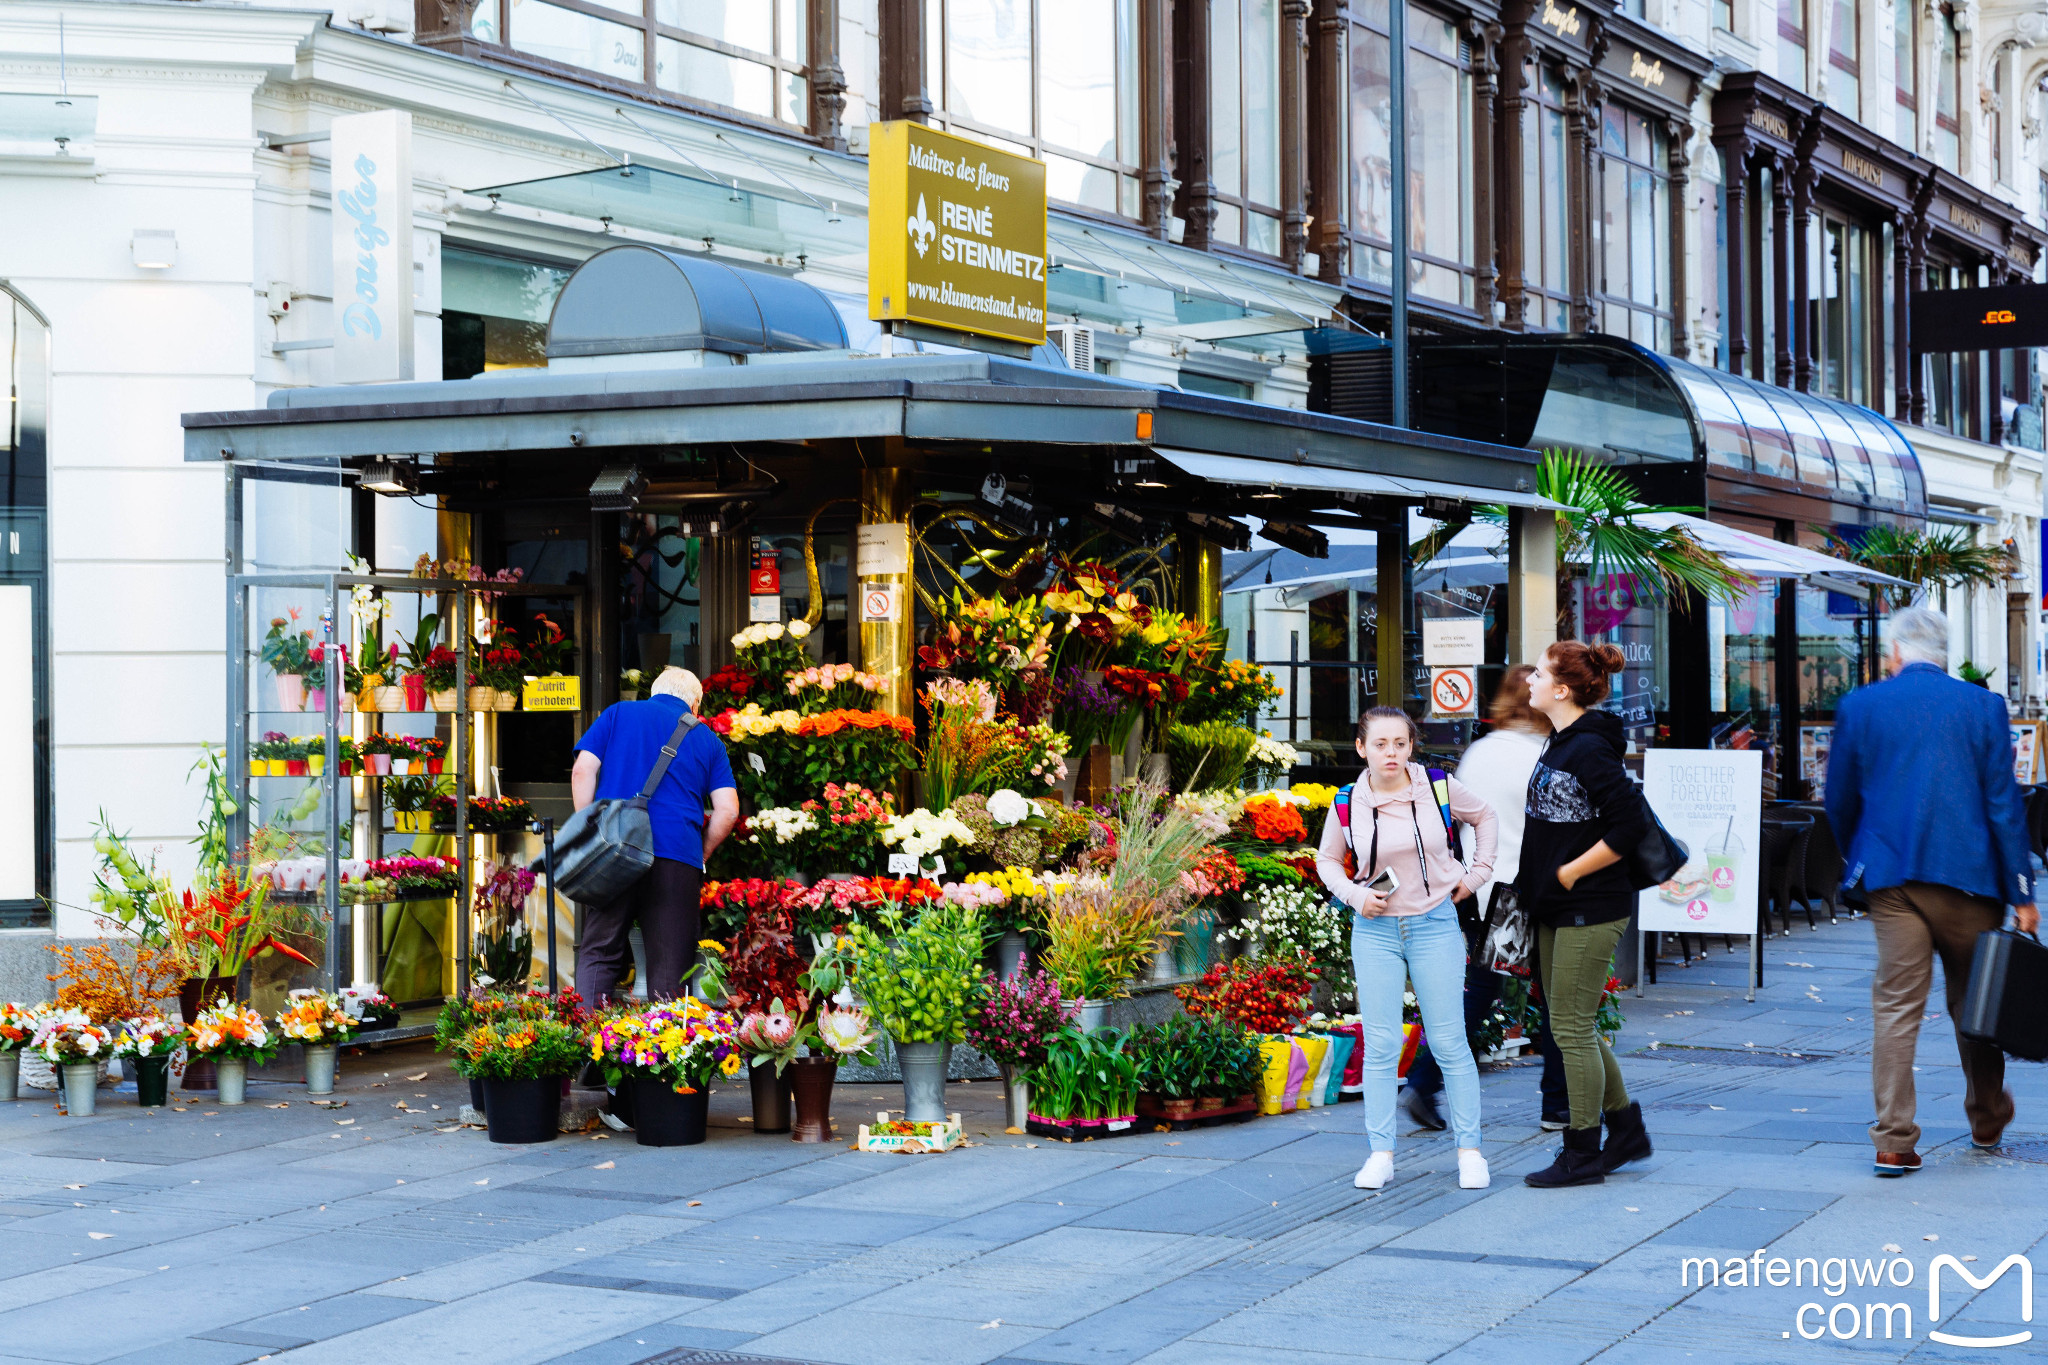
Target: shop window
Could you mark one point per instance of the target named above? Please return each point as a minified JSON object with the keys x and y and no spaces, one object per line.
{"x":494,"y":312}
{"x":1244,"y":122}
{"x":1792,"y":23}
{"x":1844,"y":77}
{"x":1948,"y":127}
{"x":1906,"y":73}
{"x":1056,"y":79}
{"x":1845,"y":266}
{"x":1211,"y":384}
{"x":1545,"y":212}
{"x":25,"y":841}
{"x":1633,"y":227}
{"x":1440,"y":234}
{"x":1724,"y":15}
{"x":1950,"y":378}
{"x":1742,"y":678}
{"x":748,"y":55}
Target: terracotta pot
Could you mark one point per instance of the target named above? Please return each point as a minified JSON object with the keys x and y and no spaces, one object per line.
{"x":1206,"y":1102}
{"x":1178,"y":1109}
{"x":193,"y":993}
{"x":811,"y":1081}
{"x":415,"y":692}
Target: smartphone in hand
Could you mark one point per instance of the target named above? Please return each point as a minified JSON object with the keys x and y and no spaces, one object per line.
{"x":1386,"y":883}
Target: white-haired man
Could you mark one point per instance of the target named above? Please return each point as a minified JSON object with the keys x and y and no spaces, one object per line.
{"x":692,"y":811}
{"x":1921,"y":794}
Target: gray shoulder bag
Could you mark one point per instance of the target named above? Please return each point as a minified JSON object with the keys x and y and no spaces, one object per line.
{"x":606,"y":846}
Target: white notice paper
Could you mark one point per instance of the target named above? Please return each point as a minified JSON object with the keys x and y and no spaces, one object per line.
{"x":881,"y":548}
{"x":1712,"y":802}
{"x":1454,"y":642}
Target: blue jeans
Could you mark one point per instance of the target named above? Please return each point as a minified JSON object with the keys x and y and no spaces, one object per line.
{"x":1388,"y":952}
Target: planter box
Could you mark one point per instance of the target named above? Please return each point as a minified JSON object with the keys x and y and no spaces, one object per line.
{"x":1152,"y":1108}
{"x":943,"y":1137}
{"x":1084,"y":1130}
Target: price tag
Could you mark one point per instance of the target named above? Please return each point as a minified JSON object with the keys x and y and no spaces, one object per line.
{"x":556,"y":692}
{"x":902,"y":865}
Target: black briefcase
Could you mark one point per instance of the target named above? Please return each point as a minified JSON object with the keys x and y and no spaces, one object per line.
{"x":2007,"y":1002}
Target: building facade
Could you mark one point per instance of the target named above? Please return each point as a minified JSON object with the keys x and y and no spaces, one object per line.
{"x":1754,"y":189}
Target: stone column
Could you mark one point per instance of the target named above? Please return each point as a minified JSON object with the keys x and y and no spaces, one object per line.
{"x":1532,"y":584}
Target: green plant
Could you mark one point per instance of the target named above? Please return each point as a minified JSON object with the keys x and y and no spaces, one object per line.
{"x":1948,"y":558}
{"x":421,"y":646}
{"x":1094,"y":1075}
{"x":1210,"y":756}
{"x":919,"y":977}
{"x":522,"y":1049}
{"x":1189,"y":1057}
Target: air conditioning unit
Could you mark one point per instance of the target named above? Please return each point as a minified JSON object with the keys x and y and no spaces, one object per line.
{"x":1076,"y":343}
{"x":380,"y":16}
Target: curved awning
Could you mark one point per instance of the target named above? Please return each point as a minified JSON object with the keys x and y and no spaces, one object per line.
{"x":1616,"y":399}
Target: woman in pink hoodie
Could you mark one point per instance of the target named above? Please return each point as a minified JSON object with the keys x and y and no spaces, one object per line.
{"x":1410,"y":933}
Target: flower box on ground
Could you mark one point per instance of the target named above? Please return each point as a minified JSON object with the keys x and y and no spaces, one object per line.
{"x":1085,"y":1130}
{"x":914,"y":1138}
{"x":1153,"y":1108}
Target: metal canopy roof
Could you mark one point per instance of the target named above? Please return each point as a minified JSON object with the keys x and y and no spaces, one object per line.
{"x":635,"y":299}
{"x":822,"y":396}
{"x":1268,"y":473}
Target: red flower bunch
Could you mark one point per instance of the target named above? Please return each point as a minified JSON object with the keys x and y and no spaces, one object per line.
{"x":761,"y":961}
{"x":1216,"y":873}
{"x":850,"y":805}
{"x":1146,"y":685}
{"x":727,"y":689}
{"x":438,"y":669}
{"x":1270,"y":997}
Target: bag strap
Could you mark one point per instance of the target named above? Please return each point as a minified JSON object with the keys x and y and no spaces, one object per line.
{"x":668,"y":753}
{"x":1343,"y":805}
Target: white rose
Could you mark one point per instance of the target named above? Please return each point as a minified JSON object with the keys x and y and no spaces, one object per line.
{"x":1007,"y":807}
{"x":771,"y":630}
{"x":799,"y":628}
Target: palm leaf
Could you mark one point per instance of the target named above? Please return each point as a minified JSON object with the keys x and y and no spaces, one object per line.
{"x":1599,"y":523}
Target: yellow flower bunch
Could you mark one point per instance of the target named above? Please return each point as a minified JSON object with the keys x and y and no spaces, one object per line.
{"x":1313,"y":795}
{"x":1020,"y":883}
{"x":751,"y":722}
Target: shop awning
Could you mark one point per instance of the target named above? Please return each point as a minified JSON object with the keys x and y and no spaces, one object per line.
{"x":1773,"y":558}
{"x":1255,"y":473}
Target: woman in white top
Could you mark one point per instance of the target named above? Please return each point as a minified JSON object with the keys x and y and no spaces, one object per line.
{"x":1495,"y":768}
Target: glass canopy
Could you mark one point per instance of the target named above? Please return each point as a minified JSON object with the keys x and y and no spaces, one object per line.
{"x":1605,"y":395}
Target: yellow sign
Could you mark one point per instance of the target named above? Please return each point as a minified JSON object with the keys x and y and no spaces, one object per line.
{"x":956,"y":233}
{"x":556,"y":692}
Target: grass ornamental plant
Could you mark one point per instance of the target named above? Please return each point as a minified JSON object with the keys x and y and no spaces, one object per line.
{"x":918,"y":975}
{"x":685,"y":1044}
{"x":1209,"y":756}
{"x":235,"y":1032}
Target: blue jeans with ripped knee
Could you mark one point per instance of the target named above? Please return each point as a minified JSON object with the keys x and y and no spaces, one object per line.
{"x":1388,"y":952}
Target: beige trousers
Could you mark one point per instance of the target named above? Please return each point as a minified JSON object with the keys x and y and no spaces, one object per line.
{"x":1915,"y":923}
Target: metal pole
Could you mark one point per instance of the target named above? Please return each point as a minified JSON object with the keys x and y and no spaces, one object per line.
{"x":546,"y":829}
{"x":335,"y":670}
{"x":1397,"y":149}
{"x":1756,"y":962}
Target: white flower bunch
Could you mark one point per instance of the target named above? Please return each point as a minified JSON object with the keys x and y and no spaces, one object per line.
{"x":1007,"y":808}
{"x":782,"y":823}
{"x":1216,"y":810}
{"x":921,"y":832}
{"x":1268,"y":752}
{"x":761,"y":632}
{"x":1282,"y":919}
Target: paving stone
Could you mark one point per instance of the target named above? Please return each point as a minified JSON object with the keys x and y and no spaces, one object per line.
{"x":857,"y":1336}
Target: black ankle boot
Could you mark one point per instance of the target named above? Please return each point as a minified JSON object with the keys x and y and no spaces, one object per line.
{"x":1627,"y":1140}
{"x":1578,"y":1162}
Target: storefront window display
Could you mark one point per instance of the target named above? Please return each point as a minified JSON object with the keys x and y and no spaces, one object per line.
{"x":1742,"y":676}
{"x":25,"y":838}
{"x":1440,"y":234}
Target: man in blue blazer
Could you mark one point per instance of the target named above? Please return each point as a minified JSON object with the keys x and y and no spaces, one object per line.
{"x":1921,"y":793}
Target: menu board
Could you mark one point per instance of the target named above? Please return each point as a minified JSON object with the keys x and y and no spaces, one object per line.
{"x":1712,"y":802}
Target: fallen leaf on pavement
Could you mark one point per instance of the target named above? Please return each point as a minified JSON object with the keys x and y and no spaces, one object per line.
{"x":343,"y":1123}
{"x":422,"y":1076}
{"x":694,"y":1203}
{"x":74,"y":1187}
{"x":284,"y":1105}
{"x":99,"y":1236}
{"x":1932,"y":1237}
{"x":605,"y":1166}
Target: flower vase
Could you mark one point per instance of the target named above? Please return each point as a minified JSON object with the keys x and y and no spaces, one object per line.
{"x":924,"y":1080}
{"x":291,"y":691}
{"x":771,"y":1098}
{"x":366,"y":700}
{"x":811,"y":1081}
{"x":1092,"y":1015}
{"x":10,"y":1074}
{"x":152,"y":1081}
{"x":320,"y":1068}
{"x":81,"y":1088}
{"x":1010,"y":955}
{"x":442,"y":700}
{"x":232,"y":1079}
{"x":415,"y":692}
{"x":662,"y":1118}
{"x":1016,"y":1098}
{"x":316,"y":699}
{"x":1163,"y":968}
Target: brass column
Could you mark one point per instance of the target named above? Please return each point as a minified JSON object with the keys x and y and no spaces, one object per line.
{"x":882,"y":562}
{"x":1201,"y":578}
{"x":1390,"y":589}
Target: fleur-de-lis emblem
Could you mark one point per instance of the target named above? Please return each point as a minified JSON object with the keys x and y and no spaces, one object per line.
{"x":922,"y":229}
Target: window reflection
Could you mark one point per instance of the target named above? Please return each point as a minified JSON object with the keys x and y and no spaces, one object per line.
{"x":1440,"y":236}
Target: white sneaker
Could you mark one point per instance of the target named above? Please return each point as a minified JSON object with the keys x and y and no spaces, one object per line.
{"x":1472,"y":1172}
{"x":1376,"y":1172}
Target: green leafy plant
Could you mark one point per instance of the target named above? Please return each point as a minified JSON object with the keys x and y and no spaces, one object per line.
{"x":1188,"y":1057}
{"x":419,"y":650}
{"x":1948,"y":558}
{"x":1094,"y":1075}
{"x":919,"y":977}
{"x":1210,"y":756}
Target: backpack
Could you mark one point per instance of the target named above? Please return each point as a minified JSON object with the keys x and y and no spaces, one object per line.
{"x":1439,"y":787}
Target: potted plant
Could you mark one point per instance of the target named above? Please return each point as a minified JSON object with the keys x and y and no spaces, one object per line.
{"x":438,"y":670}
{"x":408,"y":798}
{"x":148,"y":1041}
{"x":288,"y":652}
{"x":522,"y":1063}
{"x":317,"y":1020}
{"x":919,"y":978}
{"x":632,"y":682}
{"x":347,"y":757}
{"x":317,"y":679}
{"x":1088,"y":1083}
{"x":770,"y":1040}
{"x":1013,"y":1027}
{"x":74,"y":1045}
{"x":316,"y":754}
{"x":668,"y":1054}
{"x":375,"y":752}
{"x":17,"y":1026}
{"x":502,"y":668}
{"x":550,"y":652}
{"x":417,"y":651}
{"x":273,"y":752}
{"x":231,"y":1036}
{"x":504,"y":945}
{"x":295,"y":757}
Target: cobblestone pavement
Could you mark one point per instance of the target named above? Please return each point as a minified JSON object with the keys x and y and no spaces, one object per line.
{"x":380,"y":1234}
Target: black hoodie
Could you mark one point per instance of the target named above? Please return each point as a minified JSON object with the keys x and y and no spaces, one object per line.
{"x":1580,"y":794}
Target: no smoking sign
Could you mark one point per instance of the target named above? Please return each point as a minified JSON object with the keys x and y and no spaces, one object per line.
{"x":878,"y":602}
{"x":1453,"y":693}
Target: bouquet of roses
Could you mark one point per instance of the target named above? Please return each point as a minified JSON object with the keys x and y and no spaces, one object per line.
{"x":833,"y":687}
{"x":226,"y":1029}
{"x":316,"y":1019}
{"x":66,"y":1037}
{"x":685,"y":1044}
{"x":148,"y":1035}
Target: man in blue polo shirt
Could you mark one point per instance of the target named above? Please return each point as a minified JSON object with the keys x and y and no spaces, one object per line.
{"x":692,"y":811}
